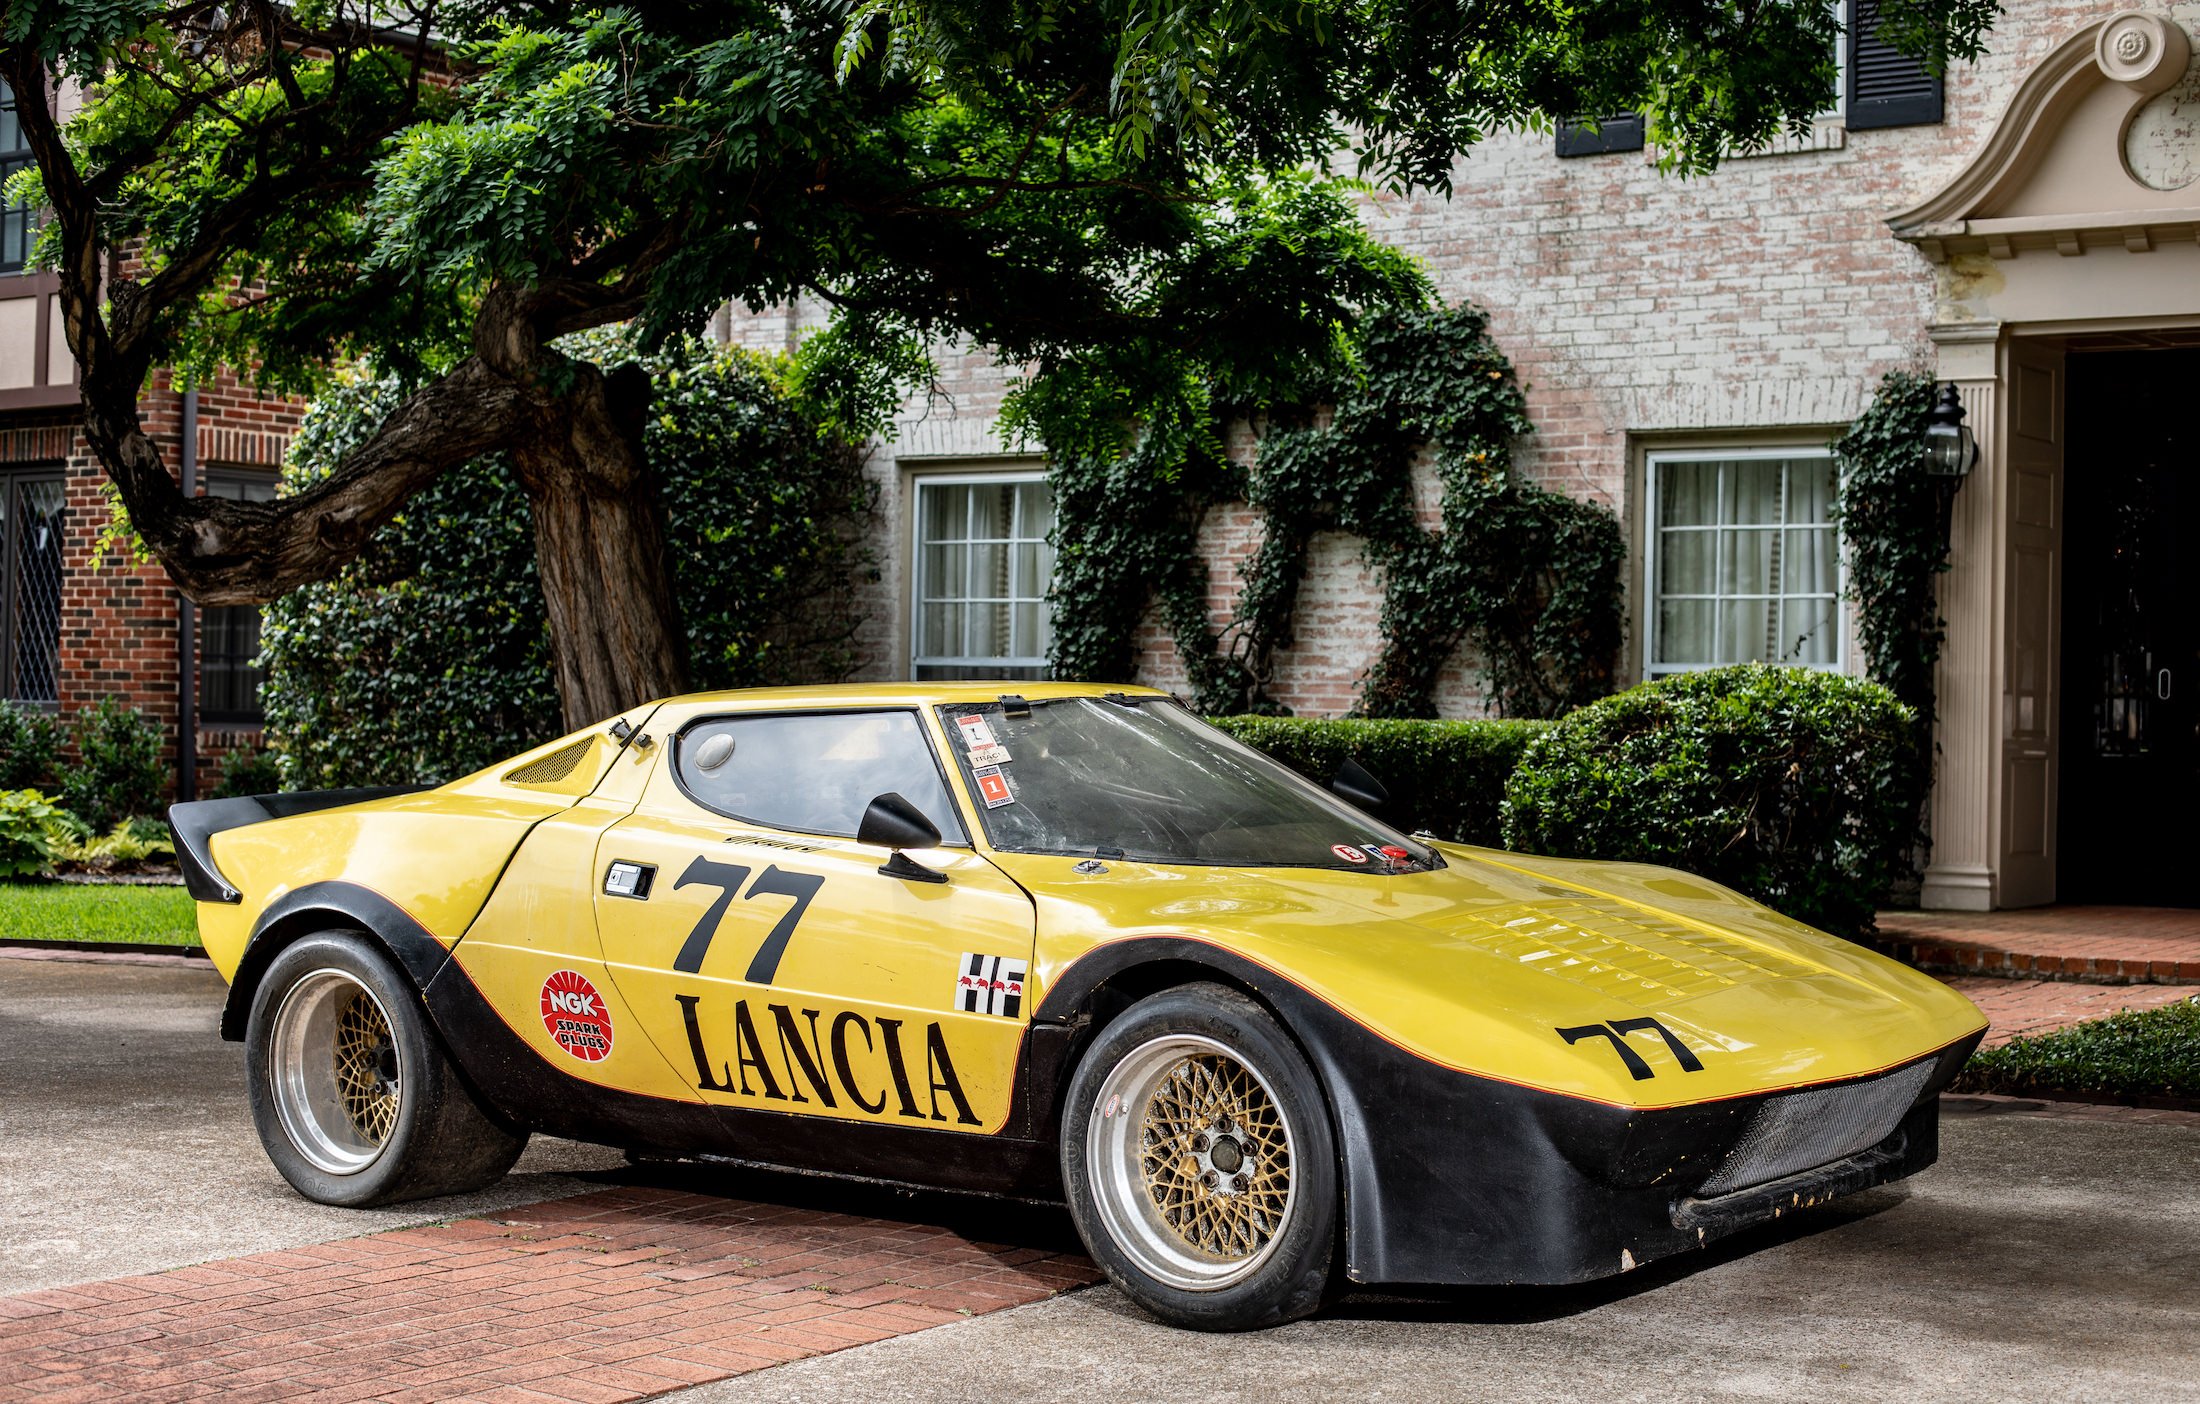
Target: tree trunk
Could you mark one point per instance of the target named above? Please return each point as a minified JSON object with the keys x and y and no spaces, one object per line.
{"x":615,"y":634}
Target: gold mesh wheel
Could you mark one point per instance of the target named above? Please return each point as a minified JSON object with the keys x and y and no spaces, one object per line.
{"x":1190,"y":1159}
{"x":335,"y":1071}
{"x":364,"y":1053}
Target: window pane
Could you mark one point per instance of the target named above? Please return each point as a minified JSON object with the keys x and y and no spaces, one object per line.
{"x":1747,"y":630}
{"x":942,"y":569}
{"x":1810,"y":491}
{"x":1753,"y":491}
{"x":1745,"y":561}
{"x":34,"y":595}
{"x":1684,"y":563}
{"x":1808,"y":563}
{"x":1684,"y":632}
{"x":1807,"y":633}
{"x":1688,"y":493}
{"x":814,"y":774}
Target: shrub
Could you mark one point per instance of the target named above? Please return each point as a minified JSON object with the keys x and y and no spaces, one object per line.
{"x":2130,"y":1056}
{"x":248,"y":770}
{"x":28,"y":825}
{"x":429,"y":657}
{"x":118,"y":773}
{"x":29,"y":740}
{"x":1799,"y":788}
{"x":1447,"y":777}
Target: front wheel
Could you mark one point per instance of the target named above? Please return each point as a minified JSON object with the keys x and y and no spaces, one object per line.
{"x":353,"y":1097}
{"x":1200,"y":1165}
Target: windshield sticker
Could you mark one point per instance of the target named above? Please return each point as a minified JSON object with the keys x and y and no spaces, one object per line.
{"x":976,"y":733}
{"x":574,"y":1013}
{"x":989,"y":755}
{"x":990,"y":985}
{"x":993,"y":787}
{"x":1347,"y":852}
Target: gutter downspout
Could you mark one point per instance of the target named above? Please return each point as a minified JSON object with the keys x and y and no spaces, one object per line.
{"x":187,"y":627}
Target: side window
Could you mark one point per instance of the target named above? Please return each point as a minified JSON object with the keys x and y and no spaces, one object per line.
{"x":812,"y":773}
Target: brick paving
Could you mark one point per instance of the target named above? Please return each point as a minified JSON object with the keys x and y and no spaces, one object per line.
{"x":607,"y":1297}
{"x":2100,"y":945}
{"x":2018,"y":1007}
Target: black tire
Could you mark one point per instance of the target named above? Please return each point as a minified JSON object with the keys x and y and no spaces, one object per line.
{"x":352,"y":1094}
{"x":1154,"y":1229}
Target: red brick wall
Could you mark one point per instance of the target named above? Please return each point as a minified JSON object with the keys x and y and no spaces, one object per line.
{"x":118,"y":622}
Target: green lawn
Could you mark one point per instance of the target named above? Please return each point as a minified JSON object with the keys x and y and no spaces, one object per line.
{"x":53,"y":911}
{"x":2138,"y":1053}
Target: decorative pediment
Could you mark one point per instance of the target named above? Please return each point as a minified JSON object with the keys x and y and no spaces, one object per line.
{"x":2080,"y":160}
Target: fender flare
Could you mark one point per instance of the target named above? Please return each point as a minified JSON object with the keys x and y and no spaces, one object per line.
{"x":320,"y":906}
{"x":1324,"y":1033}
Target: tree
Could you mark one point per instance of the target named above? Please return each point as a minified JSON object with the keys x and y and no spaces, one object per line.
{"x":1089,"y":188}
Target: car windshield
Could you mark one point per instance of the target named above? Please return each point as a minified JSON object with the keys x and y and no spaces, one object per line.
{"x":1141,"y":778}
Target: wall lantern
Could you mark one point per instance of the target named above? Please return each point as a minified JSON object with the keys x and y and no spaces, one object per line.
{"x":1951,"y":450}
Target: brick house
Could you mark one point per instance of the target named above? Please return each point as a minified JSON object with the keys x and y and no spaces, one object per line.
{"x":2025,"y":229}
{"x":78,"y":623}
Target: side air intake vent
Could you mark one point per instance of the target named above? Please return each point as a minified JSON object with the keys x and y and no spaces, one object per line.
{"x":548,"y":770}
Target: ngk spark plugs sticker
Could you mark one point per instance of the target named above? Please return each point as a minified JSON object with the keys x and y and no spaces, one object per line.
{"x":976,"y":733}
{"x":574,"y":1014}
{"x":990,"y":985}
{"x":1347,"y":852}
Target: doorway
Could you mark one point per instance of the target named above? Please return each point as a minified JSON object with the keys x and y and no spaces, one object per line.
{"x":2129,"y":823}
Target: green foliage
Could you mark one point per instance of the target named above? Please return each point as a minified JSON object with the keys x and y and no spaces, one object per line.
{"x":130,"y":842}
{"x":28,"y":825}
{"x":2130,"y":1056}
{"x":1796,"y":787}
{"x":30,"y":738}
{"x":118,"y":772}
{"x":430,"y":658}
{"x":1892,"y":525}
{"x":1531,"y":578}
{"x":1444,"y":777}
{"x":248,"y":770}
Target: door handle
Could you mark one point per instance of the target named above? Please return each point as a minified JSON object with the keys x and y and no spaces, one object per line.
{"x":2162,"y":684}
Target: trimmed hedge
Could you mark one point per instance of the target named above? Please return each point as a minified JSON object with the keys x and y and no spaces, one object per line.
{"x":1446,"y":777}
{"x":1797,"y":787}
{"x":2132,"y":1056}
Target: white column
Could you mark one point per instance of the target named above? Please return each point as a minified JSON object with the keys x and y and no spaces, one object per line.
{"x":1965,"y":811}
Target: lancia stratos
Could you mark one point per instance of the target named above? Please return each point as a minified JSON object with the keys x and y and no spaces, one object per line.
{"x":1065,"y":944}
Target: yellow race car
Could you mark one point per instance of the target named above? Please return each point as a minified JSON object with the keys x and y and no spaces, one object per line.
{"x":1066,"y":943}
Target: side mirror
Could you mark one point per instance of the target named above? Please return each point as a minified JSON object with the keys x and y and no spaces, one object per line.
{"x":893,"y":822}
{"x":1359,"y":786}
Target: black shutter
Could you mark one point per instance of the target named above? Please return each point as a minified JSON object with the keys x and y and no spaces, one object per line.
{"x":1622,"y":131}
{"x":1887,"y":88}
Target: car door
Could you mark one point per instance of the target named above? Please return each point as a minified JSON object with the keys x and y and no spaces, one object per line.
{"x":769,"y":957}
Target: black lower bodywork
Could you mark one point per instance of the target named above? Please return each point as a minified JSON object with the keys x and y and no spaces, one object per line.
{"x":1449,"y":1178}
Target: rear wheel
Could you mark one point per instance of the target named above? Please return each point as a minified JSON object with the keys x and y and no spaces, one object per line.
{"x":1200,"y":1165}
{"x":352,"y":1095}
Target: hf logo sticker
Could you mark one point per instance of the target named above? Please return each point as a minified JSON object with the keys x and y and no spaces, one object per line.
{"x":990,"y":985}
{"x":574,"y":1014}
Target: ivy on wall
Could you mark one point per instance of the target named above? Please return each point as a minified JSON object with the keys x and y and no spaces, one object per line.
{"x":1895,"y":529}
{"x":1894,"y":526}
{"x":1530,"y":579}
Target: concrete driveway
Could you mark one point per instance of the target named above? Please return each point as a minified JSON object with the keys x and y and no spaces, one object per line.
{"x":2048,"y":1257}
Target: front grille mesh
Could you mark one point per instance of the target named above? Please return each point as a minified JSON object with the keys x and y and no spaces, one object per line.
{"x":548,"y":770}
{"x":1804,"y":1130}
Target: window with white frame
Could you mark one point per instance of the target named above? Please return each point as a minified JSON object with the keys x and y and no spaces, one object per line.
{"x":981,"y":570}
{"x":1742,"y":561}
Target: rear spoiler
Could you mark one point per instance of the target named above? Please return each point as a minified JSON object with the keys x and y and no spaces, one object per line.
{"x":196,"y":823}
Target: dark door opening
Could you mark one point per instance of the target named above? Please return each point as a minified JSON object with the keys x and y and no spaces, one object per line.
{"x":2129,"y":828}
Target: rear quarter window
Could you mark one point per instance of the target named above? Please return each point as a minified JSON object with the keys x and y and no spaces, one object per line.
{"x":813,"y":772}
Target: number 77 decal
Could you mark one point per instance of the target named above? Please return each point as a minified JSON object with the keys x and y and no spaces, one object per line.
{"x":1616,"y":1032}
{"x":774,"y":881}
